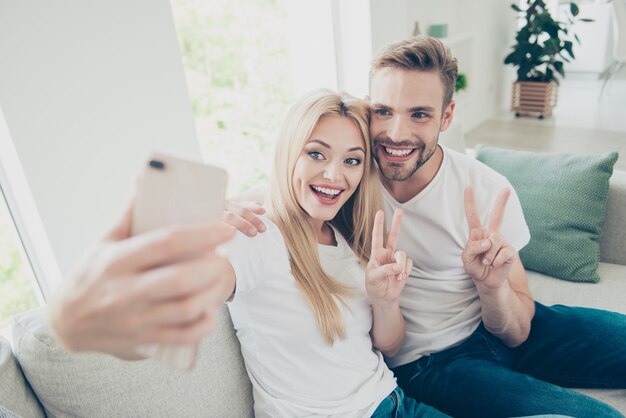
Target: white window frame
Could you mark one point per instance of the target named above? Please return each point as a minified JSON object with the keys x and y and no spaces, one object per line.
{"x":21,"y":205}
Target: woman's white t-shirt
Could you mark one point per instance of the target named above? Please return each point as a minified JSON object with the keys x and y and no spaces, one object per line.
{"x":294,"y":372}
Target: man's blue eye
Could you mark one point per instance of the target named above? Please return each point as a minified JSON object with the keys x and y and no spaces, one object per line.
{"x":419,"y":115}
{"x":353,"y":161}
{"x":382,"y":112}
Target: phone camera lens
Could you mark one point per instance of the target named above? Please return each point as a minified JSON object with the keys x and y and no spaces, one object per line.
{"x":159,"y":165}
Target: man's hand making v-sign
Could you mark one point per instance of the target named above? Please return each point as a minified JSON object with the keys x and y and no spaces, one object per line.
{"x":487,"y":257}
{"x":495,"y":267}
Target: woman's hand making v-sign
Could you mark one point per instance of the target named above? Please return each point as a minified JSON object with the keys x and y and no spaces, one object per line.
{"x":385,"y":277}
{"x":387,"y":269}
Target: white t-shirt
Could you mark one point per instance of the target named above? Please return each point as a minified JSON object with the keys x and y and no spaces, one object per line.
{"x":294,"y":372}
{"x":440,"y":302}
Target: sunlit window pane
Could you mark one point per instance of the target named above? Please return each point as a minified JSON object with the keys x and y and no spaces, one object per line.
{"x":236,"y":60}
{"x":17,"y":283}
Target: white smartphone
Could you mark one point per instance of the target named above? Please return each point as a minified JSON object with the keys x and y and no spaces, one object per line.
{"x":175,"y":191}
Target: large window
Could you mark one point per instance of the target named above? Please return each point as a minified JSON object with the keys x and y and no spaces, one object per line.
{"x":237,"y":65}
{"x":243,"y":61}
{"x":17,"y":284}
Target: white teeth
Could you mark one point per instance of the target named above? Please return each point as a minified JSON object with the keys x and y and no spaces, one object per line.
{"x":397,"y":152}
{"x":327,"y":191}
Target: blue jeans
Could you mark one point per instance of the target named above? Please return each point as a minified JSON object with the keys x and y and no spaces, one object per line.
{"x":567,"y":347}
{"x":396,"y":405}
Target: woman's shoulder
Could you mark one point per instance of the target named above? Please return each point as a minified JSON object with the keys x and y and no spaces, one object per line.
{"x":253,"y":255}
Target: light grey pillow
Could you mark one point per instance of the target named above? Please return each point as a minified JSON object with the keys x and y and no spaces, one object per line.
{"x":612,"y":248}
{"x":97,"y":385}
{"x":15,"y":393}
{"x":5,"y":413}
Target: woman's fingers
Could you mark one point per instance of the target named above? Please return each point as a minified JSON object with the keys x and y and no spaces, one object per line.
{"x":400,"y":258}
{"x":408,"y":267}
{"x":183,"y":279}
{"x":188,"y":333}
{"x":185,"y":310}
{"x":394,"y":231}
{"x":168,"y":245}
{"x":121,"y":228}
{"x":384,"y":272}
{"x":377,"y":232}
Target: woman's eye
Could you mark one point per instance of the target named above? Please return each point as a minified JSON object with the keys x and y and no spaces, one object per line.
{"x":316,"y":155}
{"x":353,"y":161}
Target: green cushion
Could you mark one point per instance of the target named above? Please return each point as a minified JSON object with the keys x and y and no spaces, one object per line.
{"x":564,"y":201}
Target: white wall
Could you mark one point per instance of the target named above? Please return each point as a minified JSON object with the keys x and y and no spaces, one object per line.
{"x":87,"y":89}
{"x":311,"y":45}
{"x":353,"y":33}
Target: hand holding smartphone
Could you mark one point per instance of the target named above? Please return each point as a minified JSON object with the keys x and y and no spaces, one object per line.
{"x":175,"y":191}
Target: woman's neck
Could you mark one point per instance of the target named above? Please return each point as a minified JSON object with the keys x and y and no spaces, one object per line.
{"x":325,"y":234}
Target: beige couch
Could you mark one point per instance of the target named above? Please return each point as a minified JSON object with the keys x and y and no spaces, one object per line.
{"x":41,"y":378}
{"x":610,"y":292}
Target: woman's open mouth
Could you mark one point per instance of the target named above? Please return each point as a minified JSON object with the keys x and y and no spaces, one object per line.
{"x":326,"y":195}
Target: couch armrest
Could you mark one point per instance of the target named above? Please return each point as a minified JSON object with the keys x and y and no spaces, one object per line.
{"x":16,"y":394}
{"x":613,"y":238}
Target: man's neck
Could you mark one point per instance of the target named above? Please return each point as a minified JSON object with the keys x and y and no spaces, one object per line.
{"x":403,"y":191}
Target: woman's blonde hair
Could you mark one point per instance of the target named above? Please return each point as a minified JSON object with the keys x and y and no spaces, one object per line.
{"x":354,"y":220}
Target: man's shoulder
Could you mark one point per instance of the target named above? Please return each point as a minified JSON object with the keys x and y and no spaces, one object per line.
{"x":471,"y":171}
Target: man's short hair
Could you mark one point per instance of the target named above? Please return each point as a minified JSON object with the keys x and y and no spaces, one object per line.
{"x":421,"y":53}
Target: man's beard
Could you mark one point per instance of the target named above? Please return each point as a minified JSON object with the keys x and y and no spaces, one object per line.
{"x":400,"y":171}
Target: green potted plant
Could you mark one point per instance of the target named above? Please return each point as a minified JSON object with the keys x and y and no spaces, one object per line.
{"x":541,"y":47}
{"x":461,"y":82}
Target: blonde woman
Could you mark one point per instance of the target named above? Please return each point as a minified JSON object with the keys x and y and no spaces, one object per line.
{"x":316,"y":295}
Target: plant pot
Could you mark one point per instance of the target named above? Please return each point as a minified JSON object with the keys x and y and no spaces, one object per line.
{"x":534,"y":98}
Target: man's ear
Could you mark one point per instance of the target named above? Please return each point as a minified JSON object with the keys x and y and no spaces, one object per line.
{"x":446,"y":118}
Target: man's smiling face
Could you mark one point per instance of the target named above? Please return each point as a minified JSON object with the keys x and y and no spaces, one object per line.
{"x":407,"y":116}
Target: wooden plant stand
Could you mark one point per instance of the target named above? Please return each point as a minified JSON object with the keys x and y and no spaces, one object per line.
{"x":534,"y":98}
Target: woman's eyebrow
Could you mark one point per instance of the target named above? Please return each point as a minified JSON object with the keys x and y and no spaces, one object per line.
{"x":319,"y":141}
{"x":324,"y":144}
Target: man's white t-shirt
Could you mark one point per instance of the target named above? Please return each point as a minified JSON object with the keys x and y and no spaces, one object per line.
{"x":440,"y":302}
{"x":294,"y":372}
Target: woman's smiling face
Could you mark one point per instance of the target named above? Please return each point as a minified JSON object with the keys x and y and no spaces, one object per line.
{"x":329,"y":168}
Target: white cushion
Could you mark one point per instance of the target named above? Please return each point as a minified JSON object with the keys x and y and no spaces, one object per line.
{"x":607,"y":294}
{"x":15,"y":393}
{"x":97,"y":385}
